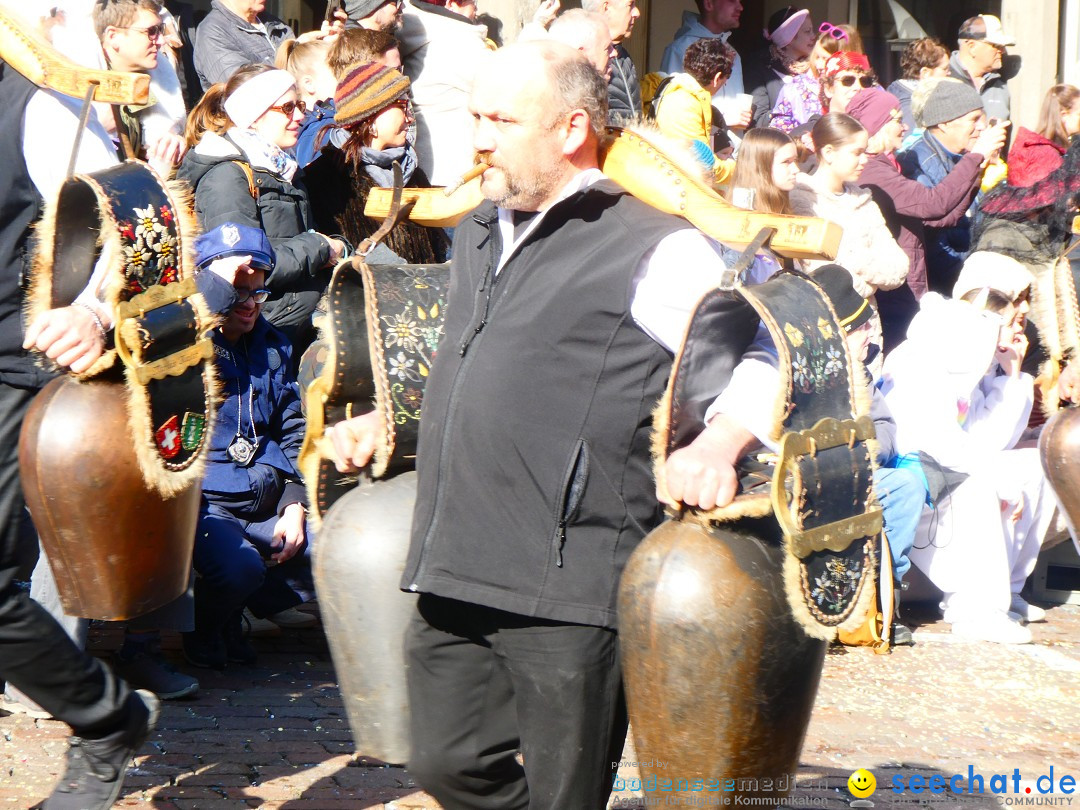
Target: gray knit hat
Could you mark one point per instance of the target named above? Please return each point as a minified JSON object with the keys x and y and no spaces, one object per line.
{"x":358,"y":9}
{"x":948,"y":100}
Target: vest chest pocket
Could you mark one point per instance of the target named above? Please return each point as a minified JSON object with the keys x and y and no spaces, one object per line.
{"x":571,"y":494}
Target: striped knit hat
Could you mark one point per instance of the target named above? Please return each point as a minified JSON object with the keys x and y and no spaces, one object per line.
{"x":367,"y":90}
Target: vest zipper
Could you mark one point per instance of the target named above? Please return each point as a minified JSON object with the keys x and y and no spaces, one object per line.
{"x":487,"y":282}
{"x":459,"y":378}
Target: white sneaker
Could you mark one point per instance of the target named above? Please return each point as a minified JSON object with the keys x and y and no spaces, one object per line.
{"x":1022,"y":611}
{"x":996,"y":627}
{"x":259,"y":628}
{"x":293,"y":619}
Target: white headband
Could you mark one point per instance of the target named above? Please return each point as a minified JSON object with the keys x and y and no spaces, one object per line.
{"x":257,"y":95}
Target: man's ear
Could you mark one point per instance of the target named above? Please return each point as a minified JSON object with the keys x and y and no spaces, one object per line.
{"x":578,"y":129}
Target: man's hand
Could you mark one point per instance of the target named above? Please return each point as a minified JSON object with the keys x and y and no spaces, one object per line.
{"x":289,"y":532}
{"x":991,"y":140}
{"x":742,"y":120}
{"x":167,"y":150}
{"x":354,"y":441}
{"x":546,"y":12}
{"x":68,"y":335}
{"x":702,"y":474}
{"x":328,"y":32}
{"x":231,"y":268}
{"x":337,"y":249}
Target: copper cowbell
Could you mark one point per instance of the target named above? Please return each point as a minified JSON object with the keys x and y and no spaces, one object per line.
{"x":720,"y":678}
{"x":118,"y":547}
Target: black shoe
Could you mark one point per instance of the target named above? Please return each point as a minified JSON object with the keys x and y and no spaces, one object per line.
{"x":237,"y":648}
{"x":96,"y":767}
{"x":143,"y":664}
{"x":204,"y":649}
{"x":901,"y":636}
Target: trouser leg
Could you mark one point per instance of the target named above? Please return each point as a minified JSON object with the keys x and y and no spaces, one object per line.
{"x":570,"y":709}
{"x":36,"y":655}
{"x":961,"y":546}
{"x":485,"y":683}
{"x":463,"y":727}
{"x":230,"y":568}
{"x":902,"y":495}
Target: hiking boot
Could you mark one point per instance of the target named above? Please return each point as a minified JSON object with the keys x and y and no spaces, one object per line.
{"x":142,"y":664}
{"x":204,"y":649}
{"x":238,"y":649}
{"x":901,"y":635}
{"x":96,"y":767}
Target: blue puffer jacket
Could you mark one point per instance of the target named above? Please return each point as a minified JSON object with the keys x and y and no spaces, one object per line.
{"x":929,"y":162}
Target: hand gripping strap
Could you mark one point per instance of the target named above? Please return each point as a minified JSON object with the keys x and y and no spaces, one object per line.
{"x":128,"y":218}
{"x":822,"y":493}
{"x":384,"y":327}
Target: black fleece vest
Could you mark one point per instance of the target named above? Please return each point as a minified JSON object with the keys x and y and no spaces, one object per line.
{"x":535,"y":481}
{"x":20,"y":205}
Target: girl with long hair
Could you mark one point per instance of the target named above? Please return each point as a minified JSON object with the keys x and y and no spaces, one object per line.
{"x":1035,"y":154}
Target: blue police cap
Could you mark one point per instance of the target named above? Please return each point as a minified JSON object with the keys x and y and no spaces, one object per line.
{"x":232,"y":239}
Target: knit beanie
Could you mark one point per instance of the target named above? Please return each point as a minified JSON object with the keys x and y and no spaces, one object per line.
{"x":948,"y":100}
{"x":367,"y":90}
{"x":873,"y":108}
{"x":359,"y":9}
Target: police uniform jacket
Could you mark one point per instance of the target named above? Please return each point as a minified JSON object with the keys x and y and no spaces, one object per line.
{"x":258,"y":388}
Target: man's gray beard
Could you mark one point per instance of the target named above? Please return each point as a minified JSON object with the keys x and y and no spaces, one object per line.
{"x":526,"y":194}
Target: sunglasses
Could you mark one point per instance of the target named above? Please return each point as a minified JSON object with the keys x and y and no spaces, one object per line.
{"x":289,"y":107}
{"x":152,"y":32}
{"x":849,"y":80}
{"x":258,"y":296}
{"x":404,"y":105}
{"x":835,"y":31}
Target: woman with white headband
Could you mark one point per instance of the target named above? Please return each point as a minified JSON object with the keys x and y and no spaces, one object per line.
{"x":240,"y":171}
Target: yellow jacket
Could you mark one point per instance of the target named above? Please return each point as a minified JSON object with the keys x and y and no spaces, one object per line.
{"x":684,"y":113}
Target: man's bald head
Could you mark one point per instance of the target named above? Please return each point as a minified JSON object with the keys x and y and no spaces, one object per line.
{"x":586,"y":32}
{"x":540,"y":110}
{"x":554,"y":75}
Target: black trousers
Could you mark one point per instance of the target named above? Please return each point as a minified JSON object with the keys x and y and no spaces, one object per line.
{"x":36,"y":655}
{"x":485,"y":684}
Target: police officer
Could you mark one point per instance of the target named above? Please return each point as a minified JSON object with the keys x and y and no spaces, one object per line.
{"x":251,"y":546}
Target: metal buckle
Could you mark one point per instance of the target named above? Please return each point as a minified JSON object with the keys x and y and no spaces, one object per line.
{"x":132,"y":339}
{"x":835,"y":537}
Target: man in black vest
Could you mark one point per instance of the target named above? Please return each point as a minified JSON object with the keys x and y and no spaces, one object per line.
{"x":567,"y":300}
{"x":36,"y":655}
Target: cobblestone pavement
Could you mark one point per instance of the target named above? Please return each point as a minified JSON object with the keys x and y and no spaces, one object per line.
{"x":275,"y":736}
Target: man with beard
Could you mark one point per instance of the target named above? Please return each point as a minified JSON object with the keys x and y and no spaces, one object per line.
{"x":375,"y":15}
{"x":567,"y":300}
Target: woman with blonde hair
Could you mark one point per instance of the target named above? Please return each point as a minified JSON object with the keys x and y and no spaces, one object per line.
{"x":1036,"y":154}
{"x":308,"y":62}
{"x":240,"y":171}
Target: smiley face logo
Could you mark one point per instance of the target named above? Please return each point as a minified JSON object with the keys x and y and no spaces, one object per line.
{"x":862,"y":784}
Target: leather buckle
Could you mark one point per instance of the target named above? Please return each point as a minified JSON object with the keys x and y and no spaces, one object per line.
{"x":159,"y":333}
{"x":837,"y":536}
